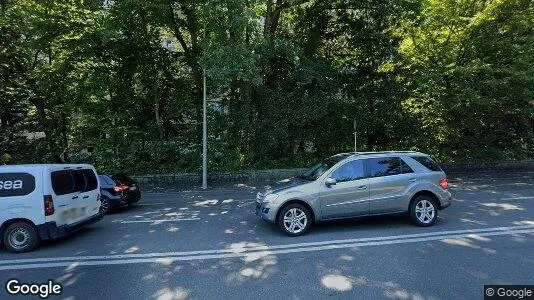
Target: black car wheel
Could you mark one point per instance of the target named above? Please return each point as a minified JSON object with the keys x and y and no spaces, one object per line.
{"x":104,"y":205}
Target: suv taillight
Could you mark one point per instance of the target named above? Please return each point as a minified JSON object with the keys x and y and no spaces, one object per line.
{"x":444,"y":183}
{"x":48,"y":205}
{"x":121,"y":188}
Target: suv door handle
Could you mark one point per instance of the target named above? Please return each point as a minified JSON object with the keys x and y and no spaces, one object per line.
{"x":75,"y":197}
{"x":362,"y":187}
{"x":85,"y":197}
{"x":412,"y":180}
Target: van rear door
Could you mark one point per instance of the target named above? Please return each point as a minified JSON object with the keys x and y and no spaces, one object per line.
{"x":64,"y":196}
{"x":79,"y":209}
{"x":90,"y":202}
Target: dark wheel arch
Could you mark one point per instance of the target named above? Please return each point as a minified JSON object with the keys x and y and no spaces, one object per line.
{"x":428,"y":194}
{"x":295,"y":201}
{"x":33,"y":233}
{"x":12,"y":221}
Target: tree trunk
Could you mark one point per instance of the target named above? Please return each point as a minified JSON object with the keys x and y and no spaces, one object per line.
{"x":41,"y":117}
{"x":157,"y":112}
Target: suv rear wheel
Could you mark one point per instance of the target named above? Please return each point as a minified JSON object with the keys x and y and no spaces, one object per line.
{"x":104,"y":205}
{"x":20,"y":237}
{"x":294,"y":219}
{"x":423,"y":211}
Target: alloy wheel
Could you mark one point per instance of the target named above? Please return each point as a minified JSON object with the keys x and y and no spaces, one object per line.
{"x":104,"y":205}
{"x":425,"y":211}
{"x":295,"y":220}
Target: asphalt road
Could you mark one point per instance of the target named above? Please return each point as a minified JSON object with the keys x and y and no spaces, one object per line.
{"x":209,"y":245}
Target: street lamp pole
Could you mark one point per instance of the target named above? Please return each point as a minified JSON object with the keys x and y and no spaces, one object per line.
{"x":204,"y":135}
{"x":355,"y":137}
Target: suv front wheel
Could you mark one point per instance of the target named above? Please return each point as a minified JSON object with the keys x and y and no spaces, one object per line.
{"x":423,"y":211}
{"x":294,"y":219}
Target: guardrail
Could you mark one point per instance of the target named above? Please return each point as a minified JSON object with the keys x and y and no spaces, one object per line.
{"x":523,"y":165}
{"x":278,"y":174}
{"x":218,"y":177}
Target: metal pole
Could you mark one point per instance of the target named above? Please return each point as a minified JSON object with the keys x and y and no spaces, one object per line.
{"x":204,"y":136}
{"x":355,"y":137}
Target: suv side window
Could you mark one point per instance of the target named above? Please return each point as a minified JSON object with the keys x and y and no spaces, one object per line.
{"x":385,"y":166}
{"x":92,"y":181}
{"x":427,"y":162}
{"x":405,"y":167}
{"x":352,"y":170}
{"x":62,"y":182}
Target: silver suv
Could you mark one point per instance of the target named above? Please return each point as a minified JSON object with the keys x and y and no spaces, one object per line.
{"x":350,"y":185}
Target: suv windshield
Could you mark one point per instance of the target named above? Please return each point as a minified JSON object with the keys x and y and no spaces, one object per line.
{"x":319,"y":169}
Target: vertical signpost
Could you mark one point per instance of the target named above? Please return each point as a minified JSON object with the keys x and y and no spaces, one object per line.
{"x":204,"y":135}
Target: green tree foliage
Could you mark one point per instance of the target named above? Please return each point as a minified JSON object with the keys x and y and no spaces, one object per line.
{"x":287,"y":79}
{"x":469,"y":74}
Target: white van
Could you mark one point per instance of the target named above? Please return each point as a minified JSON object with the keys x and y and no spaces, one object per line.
{"x":39,"y":202}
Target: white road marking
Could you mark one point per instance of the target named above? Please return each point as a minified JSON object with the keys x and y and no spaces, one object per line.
{"x":244,"y":251}
{"x":160,"y":221}
{"x":518,"y":198}
{"x":204,"y":191}
{"x":171,"y":259}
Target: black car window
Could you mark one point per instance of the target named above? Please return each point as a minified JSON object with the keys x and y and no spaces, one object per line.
{"x":405,"y":167}
{"x":385,"y":166}
{"x":79,"y":180}
{"x":62,"y":182}
{"x":90,"y":177}
{"x":105,"y":180}
{"x":122,"y":179}
{"x":352,"y":170}
{"x":427,"y":162}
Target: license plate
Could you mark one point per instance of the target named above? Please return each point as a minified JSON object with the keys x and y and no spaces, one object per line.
{"x":74,"y":213}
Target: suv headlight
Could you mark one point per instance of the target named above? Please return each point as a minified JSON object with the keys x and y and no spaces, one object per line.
{"x":270,"y":198}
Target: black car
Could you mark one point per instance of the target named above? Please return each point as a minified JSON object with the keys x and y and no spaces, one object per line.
{"x":118,"y":191}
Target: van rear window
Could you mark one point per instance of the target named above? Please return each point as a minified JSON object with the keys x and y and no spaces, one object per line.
{"x":427,"y":162}
{"x":62,"y":182}
{"x":16,"y":184}
{"x":79,"y":180}
{"x":92,"y":181}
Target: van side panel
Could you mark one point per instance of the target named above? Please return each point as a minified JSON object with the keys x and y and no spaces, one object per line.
{"x":29,"y":206}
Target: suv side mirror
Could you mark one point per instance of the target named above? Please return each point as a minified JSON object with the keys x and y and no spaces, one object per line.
{"x":330,"y":181}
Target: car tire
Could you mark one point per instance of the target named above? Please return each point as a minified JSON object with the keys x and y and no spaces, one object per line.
{"x":295,"y":219}
{"x":423,"y":211}
{"x":104,"y":205}
{"x":21,"y":237}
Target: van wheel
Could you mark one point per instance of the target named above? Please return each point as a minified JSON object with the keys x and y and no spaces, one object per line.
{"x":294,"y":219}
{"x":21,"y":237}
{"x":423,"y":211}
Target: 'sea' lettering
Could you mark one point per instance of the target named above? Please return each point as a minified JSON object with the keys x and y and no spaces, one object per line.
{"x":17,"y":184}
{"x":8,"y":185}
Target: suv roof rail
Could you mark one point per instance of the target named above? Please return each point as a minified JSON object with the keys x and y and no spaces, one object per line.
{"x":381,"y":152}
